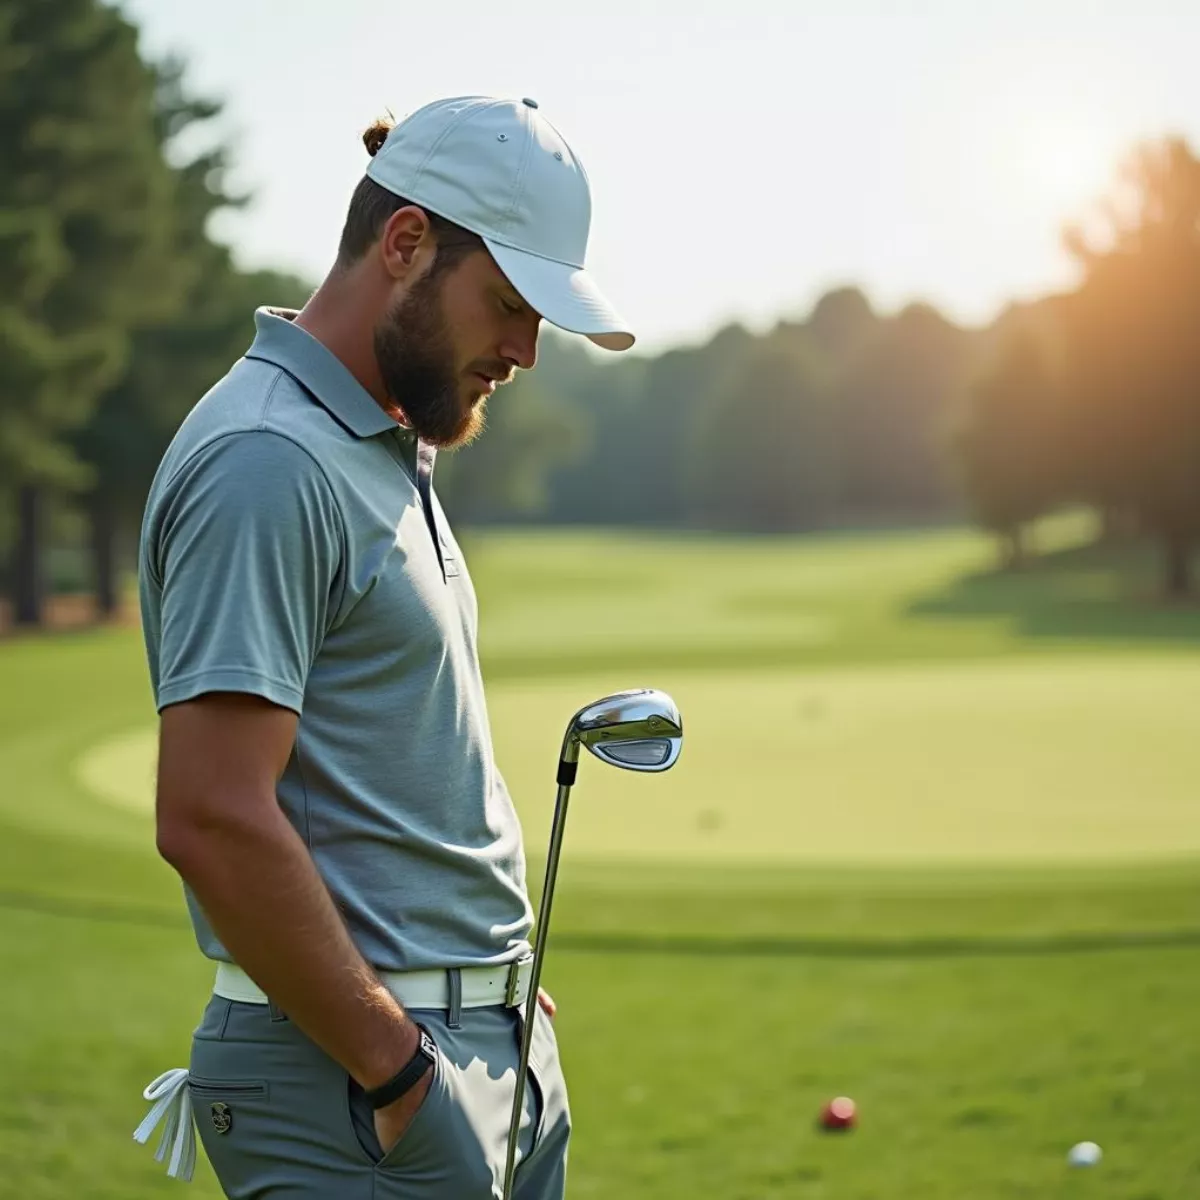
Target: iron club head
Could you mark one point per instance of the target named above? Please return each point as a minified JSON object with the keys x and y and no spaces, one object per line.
{"x":638,"y":730}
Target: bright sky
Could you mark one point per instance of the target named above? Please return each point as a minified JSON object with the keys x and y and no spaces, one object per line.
{"x":745,"y":155}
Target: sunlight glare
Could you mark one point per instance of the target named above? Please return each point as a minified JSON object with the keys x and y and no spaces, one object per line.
{"x":1065,"y":167}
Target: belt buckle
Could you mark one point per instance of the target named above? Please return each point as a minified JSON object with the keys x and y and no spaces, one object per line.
{"x":513,"y":986}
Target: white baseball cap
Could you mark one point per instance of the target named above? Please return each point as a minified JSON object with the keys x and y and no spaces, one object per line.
{"x":500,"y":169}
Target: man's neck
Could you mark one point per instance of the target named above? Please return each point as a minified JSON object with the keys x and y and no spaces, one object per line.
{"x":345,"y":326}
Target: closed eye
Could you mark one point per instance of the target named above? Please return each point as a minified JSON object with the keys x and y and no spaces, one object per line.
{"x":511,"y":310}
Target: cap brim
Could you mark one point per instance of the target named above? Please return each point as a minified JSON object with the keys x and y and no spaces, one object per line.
{"x":564,"y":295}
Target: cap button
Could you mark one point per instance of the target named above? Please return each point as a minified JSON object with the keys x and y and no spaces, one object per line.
{"x":529,"y":103}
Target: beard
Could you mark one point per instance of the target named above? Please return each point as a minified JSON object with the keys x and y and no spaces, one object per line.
{"x":417,"y":365}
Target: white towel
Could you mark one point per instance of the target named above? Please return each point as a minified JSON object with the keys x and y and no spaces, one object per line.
{"x":171,"y":1099}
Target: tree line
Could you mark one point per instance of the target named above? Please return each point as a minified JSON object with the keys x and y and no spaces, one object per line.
{"x":1095,"y":396}
{"x":118,"y":309}
{"x":1090,"y":397}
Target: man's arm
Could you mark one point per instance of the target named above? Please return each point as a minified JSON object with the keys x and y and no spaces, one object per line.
{"x":245,"y":543}
{"x":221,"y":827}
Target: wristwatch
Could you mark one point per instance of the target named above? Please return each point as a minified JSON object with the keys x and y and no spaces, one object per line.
{"x":406,"y":1078}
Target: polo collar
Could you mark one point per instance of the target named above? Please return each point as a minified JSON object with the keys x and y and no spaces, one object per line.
{"x":280,"y":341}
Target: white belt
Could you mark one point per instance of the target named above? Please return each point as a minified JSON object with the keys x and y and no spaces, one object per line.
{"x":481,"y":987}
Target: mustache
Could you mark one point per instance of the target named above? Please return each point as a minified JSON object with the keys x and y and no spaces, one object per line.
{"x":497,"y":369}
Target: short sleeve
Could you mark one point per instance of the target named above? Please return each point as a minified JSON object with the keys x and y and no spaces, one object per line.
{"x":246,"y":553}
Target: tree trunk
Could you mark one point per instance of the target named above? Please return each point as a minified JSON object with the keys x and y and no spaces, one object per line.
{"x":1012,"y":548}
{"x":105,"y":566}
{"x":1116,"y":524}
{"x":1178,"y":566}
{"x":1110,"y":524}
{"x":28,"y":569}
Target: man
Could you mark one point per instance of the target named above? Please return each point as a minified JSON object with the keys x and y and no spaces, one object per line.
{"x":326,"y":787}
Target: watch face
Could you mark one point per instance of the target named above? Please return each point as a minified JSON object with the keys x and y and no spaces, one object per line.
{"x":428,"y":1045}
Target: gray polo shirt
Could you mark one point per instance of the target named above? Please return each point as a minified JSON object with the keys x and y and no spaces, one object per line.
{"x":286,"y":552}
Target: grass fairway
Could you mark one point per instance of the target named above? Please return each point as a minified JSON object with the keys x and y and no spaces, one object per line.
{"x":1019,"y":761}
{"x":932,"y":843}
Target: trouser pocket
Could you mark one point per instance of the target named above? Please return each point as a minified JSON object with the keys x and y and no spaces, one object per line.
{"x":271,"y":1111}
{"x":362,"y":1120}
{"x":219,"y":1100}
{"x":545,"y":1070}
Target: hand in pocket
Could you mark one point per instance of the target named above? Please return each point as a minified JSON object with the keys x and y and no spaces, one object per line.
{"x":392,"y":1122}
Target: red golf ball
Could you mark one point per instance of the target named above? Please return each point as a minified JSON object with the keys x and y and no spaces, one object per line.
{"x":838,"y":1114}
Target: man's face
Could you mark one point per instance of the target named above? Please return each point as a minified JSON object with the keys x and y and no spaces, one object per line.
{"x":449,"y":341}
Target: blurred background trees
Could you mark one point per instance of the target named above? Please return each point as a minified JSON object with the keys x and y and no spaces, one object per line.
{"x":119,"y":309}
{"x":86,"y":202}
{"x":1132,"y":330}
{"x":1007,"y":441}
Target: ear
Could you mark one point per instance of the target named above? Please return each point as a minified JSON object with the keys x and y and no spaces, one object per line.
{"x":407,"y":244}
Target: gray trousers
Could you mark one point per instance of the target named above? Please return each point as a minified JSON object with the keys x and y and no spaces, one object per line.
{"x":280,"y":1120}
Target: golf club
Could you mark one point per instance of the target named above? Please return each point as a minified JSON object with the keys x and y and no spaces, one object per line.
{"x":638,"y":731}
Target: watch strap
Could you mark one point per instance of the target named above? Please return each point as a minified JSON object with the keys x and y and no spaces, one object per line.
{"x":406,"y":1078}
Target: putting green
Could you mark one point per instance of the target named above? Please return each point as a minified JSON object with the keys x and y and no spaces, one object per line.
{"x":121,"y":770}
{"x":1034,"y":760}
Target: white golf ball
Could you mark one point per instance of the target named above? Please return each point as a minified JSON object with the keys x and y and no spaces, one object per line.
{"x":1085,"y":1154}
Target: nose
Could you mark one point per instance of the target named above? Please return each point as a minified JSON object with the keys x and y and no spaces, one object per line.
{"x":521,"y":346}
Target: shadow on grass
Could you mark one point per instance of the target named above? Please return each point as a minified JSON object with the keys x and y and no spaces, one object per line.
{"x":1095,"y":591}
{"x":148,"y":916}
{"x":893,"y":947}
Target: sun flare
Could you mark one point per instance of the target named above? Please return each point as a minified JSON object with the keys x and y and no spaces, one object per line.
{"x":1065,"y":167}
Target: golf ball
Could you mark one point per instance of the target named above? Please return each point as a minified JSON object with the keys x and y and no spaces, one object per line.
{"x":839,"y":1114}
{"x":1085,"y":1154}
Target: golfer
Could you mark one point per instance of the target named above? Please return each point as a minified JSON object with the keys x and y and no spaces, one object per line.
{"x":327,"y":789}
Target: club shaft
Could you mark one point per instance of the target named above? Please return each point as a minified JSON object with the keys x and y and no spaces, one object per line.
{"x":531,"y":1003}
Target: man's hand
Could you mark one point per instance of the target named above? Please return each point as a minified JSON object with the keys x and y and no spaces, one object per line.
{"x":392,"y":1122}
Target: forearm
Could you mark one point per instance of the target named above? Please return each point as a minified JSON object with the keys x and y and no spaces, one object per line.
{"x":266,"y":901}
